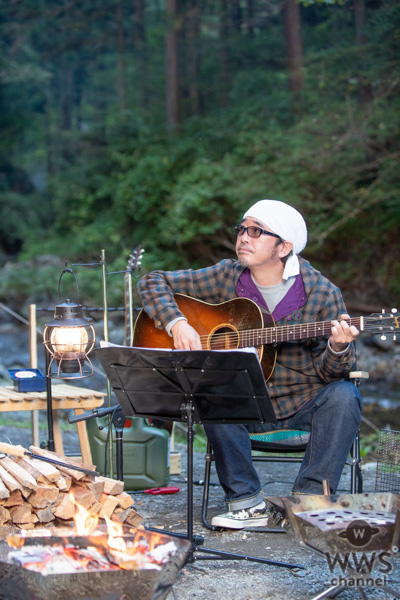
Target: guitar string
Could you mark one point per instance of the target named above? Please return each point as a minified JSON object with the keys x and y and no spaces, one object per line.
{"x":294,"y":330}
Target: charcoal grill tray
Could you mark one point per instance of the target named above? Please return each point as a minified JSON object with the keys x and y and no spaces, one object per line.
{"x":324,"y":524}
{"x":17,"y":583}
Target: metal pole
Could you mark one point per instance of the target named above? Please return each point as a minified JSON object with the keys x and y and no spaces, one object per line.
{"x":50,"y":442}
{"x":33,"y":363}
{"x":105,"y":327}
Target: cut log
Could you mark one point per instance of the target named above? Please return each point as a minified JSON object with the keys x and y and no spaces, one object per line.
{"x":65,"y":509}
{"x":35,"y":492}
{"x":4,"y":492}
{"x":21,"y":514}
{"x":95,"y":508}
{"x":96,"y":487}
{"x":15,"y":499}
{"x":109,"y":503}
{"x":64,"y":483}
{"x":133,"y":518}
{"x":45,"y":515}
{"x":39,"y":469}
{"x":22,"y":476}
{"x":9,"y":480}
{"x":45,"y":495}
{"x":83,"y":496}
{"x":125,"y":500}
{"x":111,"y":486}
{"x":67,"y":460}
{"x":29,"y":468}
{"x":5,"y":516}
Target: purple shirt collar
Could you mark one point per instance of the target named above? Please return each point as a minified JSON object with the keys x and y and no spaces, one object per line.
{"x":289,"y":305}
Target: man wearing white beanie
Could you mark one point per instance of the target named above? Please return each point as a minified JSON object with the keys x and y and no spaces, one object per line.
{"x":307,"y":387}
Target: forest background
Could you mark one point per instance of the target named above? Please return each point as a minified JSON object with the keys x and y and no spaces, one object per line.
{"x":127,"y":122}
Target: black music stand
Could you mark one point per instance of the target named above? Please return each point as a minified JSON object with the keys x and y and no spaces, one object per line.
{"x":197,"y":386}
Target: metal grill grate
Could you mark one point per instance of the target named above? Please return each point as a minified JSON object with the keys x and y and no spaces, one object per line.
{"x":388,"y":465}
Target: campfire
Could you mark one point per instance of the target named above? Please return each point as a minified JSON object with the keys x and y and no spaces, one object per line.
{"x":89,"y":548}
{"x":90,"y":544}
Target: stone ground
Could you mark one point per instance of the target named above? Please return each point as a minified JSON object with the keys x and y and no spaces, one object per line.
{"x":247,"y":580}
{"x":236,"y":579}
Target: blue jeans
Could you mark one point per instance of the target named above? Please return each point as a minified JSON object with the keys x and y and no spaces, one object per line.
{"x":333,"y":417}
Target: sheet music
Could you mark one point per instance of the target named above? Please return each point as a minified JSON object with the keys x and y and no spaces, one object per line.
{"x":248,"y":350}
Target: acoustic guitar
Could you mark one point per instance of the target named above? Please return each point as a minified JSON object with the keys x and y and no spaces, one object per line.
{"x":238,"y":323}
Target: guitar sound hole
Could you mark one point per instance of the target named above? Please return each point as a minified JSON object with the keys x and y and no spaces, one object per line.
{"x":223,"y":338}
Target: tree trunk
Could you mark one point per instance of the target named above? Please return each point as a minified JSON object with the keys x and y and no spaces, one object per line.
{"x":66,"y":80}
{"x":250,"y":18}
{"x":294,"y":45}
{"x":171,"y":68}
{"x":141,"y":52}
{"x":359,"y":20}
{"x":121,"y":63}
{"x":50,"y":166}
{"x":193,"y":59}
{"x":236,"y":15}
{"x":224,"y":56}
{"x":365,"y":89}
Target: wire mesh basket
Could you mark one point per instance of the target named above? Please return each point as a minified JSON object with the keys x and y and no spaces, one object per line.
{"x":388,"y":464}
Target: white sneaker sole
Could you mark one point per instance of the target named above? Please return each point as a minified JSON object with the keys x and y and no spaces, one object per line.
{"x":231,"y":523}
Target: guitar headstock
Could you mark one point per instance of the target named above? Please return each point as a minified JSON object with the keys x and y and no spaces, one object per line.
{"x":382,"y":323}
{"x":135,"y":260}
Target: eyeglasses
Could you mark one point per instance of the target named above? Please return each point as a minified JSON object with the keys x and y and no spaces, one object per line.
{"x":253,"y":231}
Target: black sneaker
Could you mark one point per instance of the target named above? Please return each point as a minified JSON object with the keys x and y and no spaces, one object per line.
{"x":256,"y":516}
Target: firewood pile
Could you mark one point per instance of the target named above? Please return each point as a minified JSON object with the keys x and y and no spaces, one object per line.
{"x":34,"y":493}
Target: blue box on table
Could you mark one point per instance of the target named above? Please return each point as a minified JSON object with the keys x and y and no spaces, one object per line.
{"x":28,"y":380}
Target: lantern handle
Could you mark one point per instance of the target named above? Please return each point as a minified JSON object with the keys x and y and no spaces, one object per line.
{"x":67,"y":270}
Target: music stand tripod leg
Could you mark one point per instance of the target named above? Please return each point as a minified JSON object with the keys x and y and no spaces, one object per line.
{"x":170,"y":384}
{"x":208,"y":553}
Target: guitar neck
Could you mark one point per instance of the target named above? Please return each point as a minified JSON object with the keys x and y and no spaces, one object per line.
{"x":292,"y":332}
{"x":128,"y":303}
{"x":133,"y":263}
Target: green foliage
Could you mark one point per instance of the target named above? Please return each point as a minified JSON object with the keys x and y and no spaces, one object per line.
{"x":369,"y":447}
{"x":117,"y":180}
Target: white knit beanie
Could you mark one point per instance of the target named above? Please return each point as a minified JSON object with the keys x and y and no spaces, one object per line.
{"x":285,"y":221}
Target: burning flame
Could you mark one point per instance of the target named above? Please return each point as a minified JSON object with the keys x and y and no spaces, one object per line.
{"x":136,"y":550}
{"x":85,"y":523}
{"x":115,"y":532}
{"x":140,"y":548}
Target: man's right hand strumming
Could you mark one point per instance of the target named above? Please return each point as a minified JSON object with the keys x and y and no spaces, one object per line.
{"x":185,"y":337}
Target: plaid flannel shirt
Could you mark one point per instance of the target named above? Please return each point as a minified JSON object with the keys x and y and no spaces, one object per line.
{"x":303,"y":367}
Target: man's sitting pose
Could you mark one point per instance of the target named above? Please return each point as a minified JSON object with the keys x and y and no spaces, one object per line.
{"x":308,"y":386}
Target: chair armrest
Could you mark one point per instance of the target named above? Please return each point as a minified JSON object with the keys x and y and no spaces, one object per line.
{"x":359,"y":375}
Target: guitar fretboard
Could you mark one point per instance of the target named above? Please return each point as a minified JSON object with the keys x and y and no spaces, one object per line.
{"x":286,"y":333}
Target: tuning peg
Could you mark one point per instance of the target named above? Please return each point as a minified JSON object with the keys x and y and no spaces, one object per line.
{"x":394,"y":311}
{"x":383,"y":337}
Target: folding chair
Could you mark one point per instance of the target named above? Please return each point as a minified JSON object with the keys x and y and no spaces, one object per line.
{"x":279,"y":446}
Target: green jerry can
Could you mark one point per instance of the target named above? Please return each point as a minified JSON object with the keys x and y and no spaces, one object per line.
{"x":145,"y":452}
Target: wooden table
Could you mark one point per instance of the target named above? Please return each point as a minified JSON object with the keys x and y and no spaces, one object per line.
{"x":63,"y":396}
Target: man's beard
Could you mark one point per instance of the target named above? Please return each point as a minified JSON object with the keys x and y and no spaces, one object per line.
{"x":245,"y":260}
